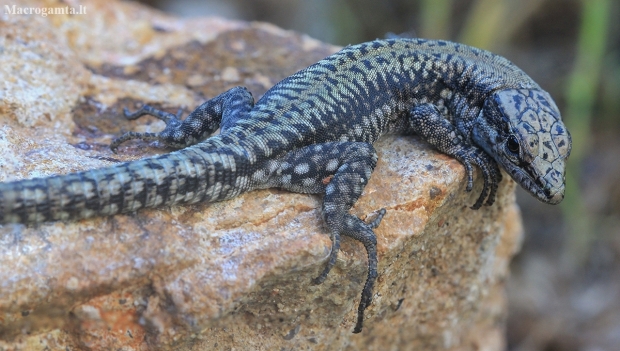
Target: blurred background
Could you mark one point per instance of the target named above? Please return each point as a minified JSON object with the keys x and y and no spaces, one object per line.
{"x":564,"y":292}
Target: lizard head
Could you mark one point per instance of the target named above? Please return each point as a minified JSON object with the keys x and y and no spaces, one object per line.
{"x":523,"y":131}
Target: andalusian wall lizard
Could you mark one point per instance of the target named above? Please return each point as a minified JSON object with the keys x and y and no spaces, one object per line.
{"x":313,"y":133}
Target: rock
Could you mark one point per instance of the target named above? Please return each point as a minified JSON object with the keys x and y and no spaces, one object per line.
{"x":236,"y":274}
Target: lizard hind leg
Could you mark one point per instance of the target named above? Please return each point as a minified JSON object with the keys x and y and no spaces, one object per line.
{"x":224,"y":109}
{"x":172,"y":122}
{"x":340,"y":170}
{"x":340,"y":194}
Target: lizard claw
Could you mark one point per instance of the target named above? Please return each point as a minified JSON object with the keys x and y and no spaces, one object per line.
{"x":127,"y":113}
{"x":375,"y":222}
{"x":490,"y":173}
{"x":167,"y":136}
{"x":469,"y":170}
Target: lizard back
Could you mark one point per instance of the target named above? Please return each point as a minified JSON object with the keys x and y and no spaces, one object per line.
{"x":367,"y":90}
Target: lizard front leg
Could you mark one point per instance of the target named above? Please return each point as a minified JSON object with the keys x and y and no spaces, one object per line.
{"x":426,"y":121}
{"x":340,"y":170}
{"x":221,"y":111}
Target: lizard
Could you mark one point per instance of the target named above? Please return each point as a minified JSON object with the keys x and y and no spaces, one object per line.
{"x":313,"y":132}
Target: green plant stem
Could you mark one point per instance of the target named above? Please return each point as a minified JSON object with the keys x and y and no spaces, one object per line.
{"x":491,"y":23}
{"x":581,"y":93}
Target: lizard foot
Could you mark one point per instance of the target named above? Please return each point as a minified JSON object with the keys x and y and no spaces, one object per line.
{"x":172,"y":124}
{"x":490,"y":173}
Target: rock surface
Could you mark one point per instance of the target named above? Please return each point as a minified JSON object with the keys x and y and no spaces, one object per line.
{"x":231,"y":275}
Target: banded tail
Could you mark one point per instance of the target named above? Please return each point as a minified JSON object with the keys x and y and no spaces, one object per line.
{"x":204,"y":172}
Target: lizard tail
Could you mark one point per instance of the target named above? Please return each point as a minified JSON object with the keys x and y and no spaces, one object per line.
{"x":199,"y":173}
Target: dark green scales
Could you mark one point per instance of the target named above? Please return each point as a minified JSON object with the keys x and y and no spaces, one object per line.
{"x":320,"y":123}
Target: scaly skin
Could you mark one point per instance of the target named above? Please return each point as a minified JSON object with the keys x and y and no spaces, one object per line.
{"x":320,"y":124}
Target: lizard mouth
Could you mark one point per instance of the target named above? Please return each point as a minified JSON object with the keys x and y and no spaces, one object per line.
{"x":546,"y":188}
{"x":553,"y":198}
{"x":556,"y":197}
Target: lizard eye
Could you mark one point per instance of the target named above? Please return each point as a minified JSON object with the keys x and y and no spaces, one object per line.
{"x":512,"y":144}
